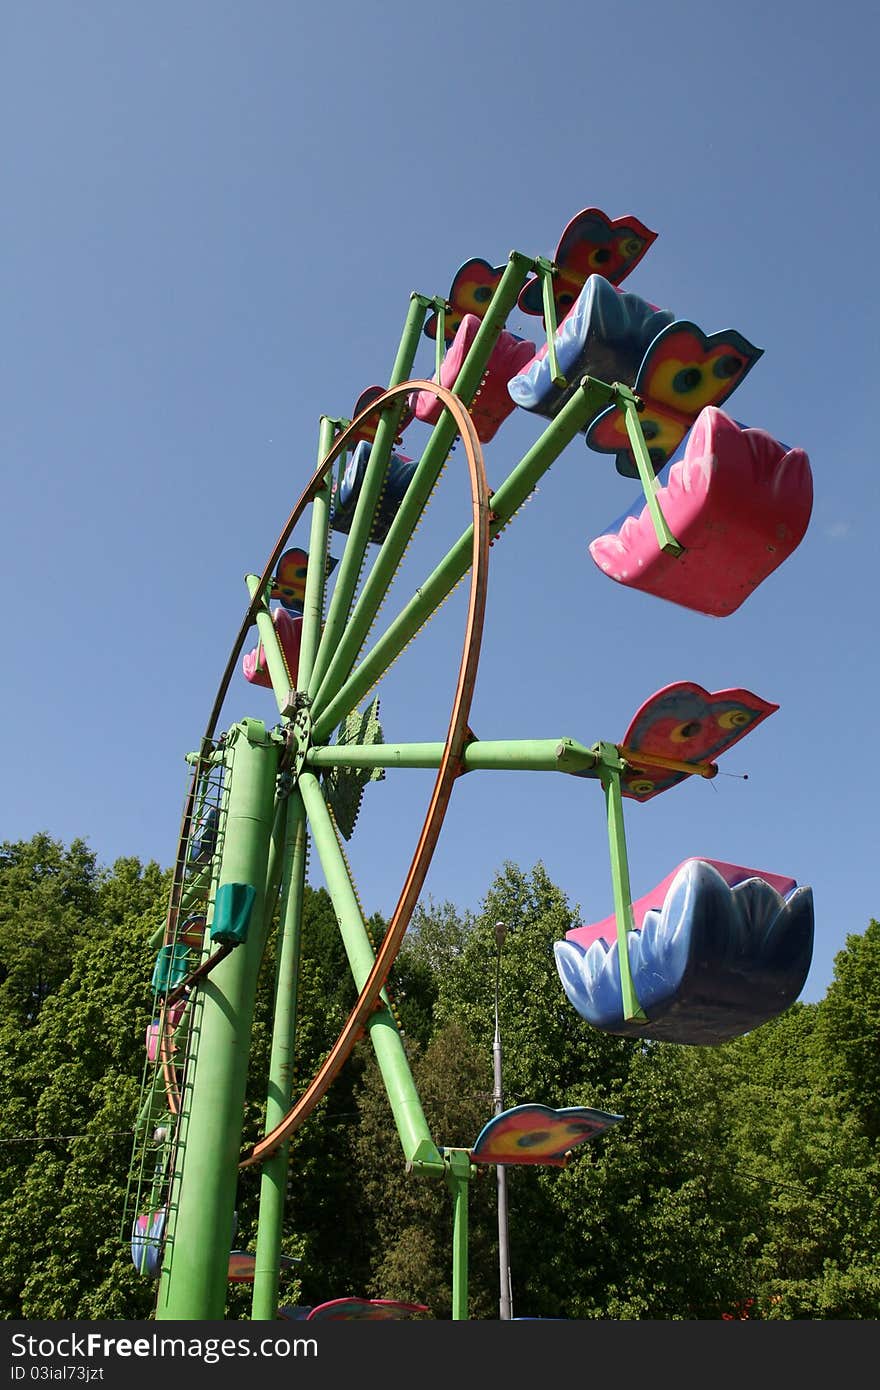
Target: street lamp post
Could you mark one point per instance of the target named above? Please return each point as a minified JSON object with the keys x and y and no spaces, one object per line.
{"x":505,"y":1307}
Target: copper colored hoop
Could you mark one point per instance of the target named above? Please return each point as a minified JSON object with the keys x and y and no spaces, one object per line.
{"x":450,"y":765}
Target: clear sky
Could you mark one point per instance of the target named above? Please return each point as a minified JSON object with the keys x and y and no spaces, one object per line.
{"x":214,"y":216}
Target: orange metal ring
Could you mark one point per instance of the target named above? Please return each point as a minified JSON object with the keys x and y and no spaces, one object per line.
{"x":450,"y":765}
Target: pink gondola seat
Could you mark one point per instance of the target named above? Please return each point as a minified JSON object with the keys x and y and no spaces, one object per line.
{"x":735,"y":498}
{"x":492,"y":403}
{"x":289,"y":629}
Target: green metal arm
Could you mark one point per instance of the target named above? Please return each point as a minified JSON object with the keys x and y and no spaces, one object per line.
{"x":512,"y":755}
{"x":546,"y":270}
{"x":274,"y":1176}
{"x":440,"y":340}
{"x":630,"y":405}
{"x":316,"y":577}
{"x":412,"y":1129}
{"x":362,"y":521}
{"x":278,"y":672}
{"x":330,"y":674}
{"x":611,"y":768}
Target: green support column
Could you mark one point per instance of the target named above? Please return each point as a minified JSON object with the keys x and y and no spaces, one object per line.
{"x":193,"y":1285}
{"x":273,"y":1182}
{"x":623,"y":911}
{"x":458,"y":1176}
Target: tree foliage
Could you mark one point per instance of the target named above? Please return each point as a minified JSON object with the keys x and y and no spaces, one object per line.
{"x":741,"y":1181}
{"x":71,"y":1050}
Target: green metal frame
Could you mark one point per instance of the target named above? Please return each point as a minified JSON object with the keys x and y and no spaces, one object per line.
{"x":276,"y":808}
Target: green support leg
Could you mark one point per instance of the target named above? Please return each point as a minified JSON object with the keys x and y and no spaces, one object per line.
{"x":623,"y":912}
{"x":193,"y":1284}
{"x":458,"y":1176}
{"x":628,"y":402}
{"x":274,"y":1176}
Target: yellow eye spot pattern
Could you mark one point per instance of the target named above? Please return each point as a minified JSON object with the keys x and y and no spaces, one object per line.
{"x":734,"y":718}
{"x":678,"y":383}
{"x":683,"y":732}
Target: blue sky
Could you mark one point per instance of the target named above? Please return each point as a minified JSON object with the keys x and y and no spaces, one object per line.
{"x":214,"y":217}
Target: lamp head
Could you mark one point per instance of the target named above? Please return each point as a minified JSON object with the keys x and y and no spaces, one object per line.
{"x":500,"y":933}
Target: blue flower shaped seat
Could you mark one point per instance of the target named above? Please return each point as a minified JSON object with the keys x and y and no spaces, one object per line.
{"x":397,"y":480}
{"x":717,"y":950}
{"x":604,"y":335}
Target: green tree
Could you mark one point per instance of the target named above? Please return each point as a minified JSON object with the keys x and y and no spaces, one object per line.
{"x":550,"y":1056}
{"x":407,"y":1219}
{"x":323,"y":1200}
{"x":848,"y":1028}
{"x":48,"y":901}
{"x":67,"y":1142}
{"x":741,"y":1180}
{"x":803,"y":1138}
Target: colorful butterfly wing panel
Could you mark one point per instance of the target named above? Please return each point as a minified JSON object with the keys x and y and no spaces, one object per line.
{"x":683,"y":371}
{"x":537,"y":1134}
{"x":367,"y":431}
{"x":473,"y":286}
{"x":242,"y":1266}
{"x":289,"y":583}
{"x":592,"y":244}
{"x":689,"y":724}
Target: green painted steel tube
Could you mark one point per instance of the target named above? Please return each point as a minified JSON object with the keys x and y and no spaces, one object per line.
{"x":419,"y":490}
{"x":193,"y":1283}
{"x":350,"y":565}
{"x":621,"y":889}
{"x":458,"y":1177}
{"x":273,"y":1181}
{"x":629,"y":405}
{"x":316,"y":578}
{"x":275,"y":863}
{"x":415,"y":1139}
{"x":439,"y":338}
{"x":545,"y":269}
{"x":582,"y":405}
{"x":278,"y":672}
{"x":515,"y":755}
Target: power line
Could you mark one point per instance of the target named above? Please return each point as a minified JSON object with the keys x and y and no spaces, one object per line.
{"x":45,"y":1138}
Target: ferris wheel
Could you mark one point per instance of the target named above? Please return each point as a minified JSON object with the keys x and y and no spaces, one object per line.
{"x":339,"y":623}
